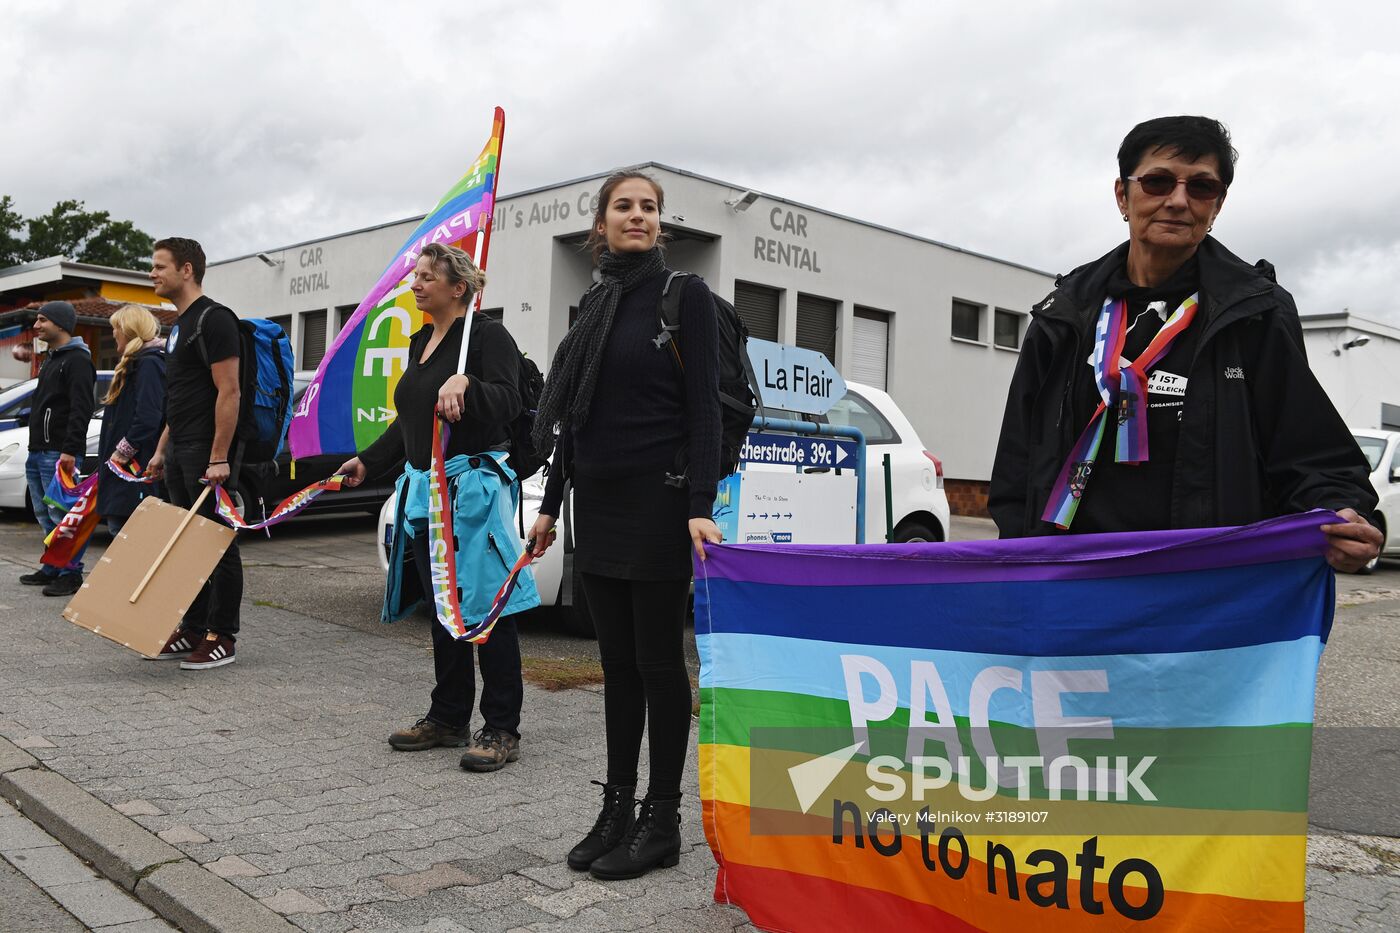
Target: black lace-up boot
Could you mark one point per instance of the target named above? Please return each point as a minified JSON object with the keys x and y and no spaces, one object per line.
{"x":614,"y":820}
{"x":654,"y":842}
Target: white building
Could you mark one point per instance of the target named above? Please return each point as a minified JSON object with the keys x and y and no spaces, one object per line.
{"x":937,"y":326}
{"x":1357,"y":360}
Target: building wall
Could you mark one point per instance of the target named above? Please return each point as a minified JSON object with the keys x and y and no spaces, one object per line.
{"x":1362,"y":381}
{"x":952,"y":391}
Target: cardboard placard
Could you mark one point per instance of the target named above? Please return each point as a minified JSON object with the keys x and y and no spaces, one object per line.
{"x":104,"y":603}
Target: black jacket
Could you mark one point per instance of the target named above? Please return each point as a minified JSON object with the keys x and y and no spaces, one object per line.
{"x":63,"y":400}
{"x":1259,"y":437}
{"x":491,"y":403}
{"x":138,"y":415}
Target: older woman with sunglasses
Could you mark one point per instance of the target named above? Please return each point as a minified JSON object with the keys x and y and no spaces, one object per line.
{"x":1165,"y":385}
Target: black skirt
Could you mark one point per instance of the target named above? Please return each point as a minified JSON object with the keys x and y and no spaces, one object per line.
{"x":631,"y":528}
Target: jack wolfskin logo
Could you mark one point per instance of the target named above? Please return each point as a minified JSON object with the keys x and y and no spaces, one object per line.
{"x":1234,"y":372}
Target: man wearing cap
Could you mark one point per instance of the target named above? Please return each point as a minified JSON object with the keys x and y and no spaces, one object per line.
{"x":58,"y":425}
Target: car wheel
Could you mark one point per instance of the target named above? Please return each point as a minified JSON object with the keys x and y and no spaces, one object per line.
{"x":575,"y":618}
{"x":915,"y":532}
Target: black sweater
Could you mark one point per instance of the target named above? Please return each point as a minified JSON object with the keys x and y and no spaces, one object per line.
{"x":492,"y":399}
{"x":644,"y":409}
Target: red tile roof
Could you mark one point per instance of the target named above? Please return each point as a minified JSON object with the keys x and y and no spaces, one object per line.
{"x":102,"y":308}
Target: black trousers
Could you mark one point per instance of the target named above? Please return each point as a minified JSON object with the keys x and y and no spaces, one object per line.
{"x":216,"y":608}
{"x":641,"y":639}
{"x":502,"y":687}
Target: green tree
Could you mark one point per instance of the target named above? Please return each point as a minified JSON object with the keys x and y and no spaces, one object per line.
{"x":11,"y":245}
{"x":72,"y":231}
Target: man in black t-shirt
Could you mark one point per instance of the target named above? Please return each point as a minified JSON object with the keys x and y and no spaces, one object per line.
{"x":198,"y":446}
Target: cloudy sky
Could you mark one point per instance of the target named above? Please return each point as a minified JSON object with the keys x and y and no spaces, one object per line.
{"x":992,"y":126}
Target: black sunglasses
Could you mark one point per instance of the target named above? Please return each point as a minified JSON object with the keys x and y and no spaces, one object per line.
{"x":1197,"y":189}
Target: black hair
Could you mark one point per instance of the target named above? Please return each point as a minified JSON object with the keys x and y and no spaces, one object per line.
{"x":1188,"y":137}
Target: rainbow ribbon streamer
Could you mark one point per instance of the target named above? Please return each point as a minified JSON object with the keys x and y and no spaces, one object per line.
{"x":130,"y":472}
{"x":1122,"y":388}
{"x":223,"y":504}
{"x":351,"y":398}
{"x":442,"y":547}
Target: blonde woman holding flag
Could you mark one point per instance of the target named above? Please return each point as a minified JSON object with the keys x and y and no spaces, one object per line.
{"x":477,"y":406}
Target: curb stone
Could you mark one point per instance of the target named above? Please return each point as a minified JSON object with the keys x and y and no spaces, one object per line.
{"x":161,"y":876}
{"x":198,"y":901}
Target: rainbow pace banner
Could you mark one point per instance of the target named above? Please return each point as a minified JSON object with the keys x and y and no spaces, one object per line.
{"x":1098,"y":732}
{"x":351,"y":399}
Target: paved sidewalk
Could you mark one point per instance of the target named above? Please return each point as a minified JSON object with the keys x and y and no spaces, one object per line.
{"x":274,"y":774}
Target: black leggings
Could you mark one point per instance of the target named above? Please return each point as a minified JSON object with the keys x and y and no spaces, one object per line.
{"x":641,"y":638}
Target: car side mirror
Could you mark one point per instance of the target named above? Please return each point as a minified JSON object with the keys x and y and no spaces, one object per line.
{"x":22,"y":418}
{"x":1395,"y":475}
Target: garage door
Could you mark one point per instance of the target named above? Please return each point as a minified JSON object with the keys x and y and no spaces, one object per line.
{"x":870,"y":348}
{"x":816,"y":324}
{"x":313,"y":338}
{"x":758,"y":306}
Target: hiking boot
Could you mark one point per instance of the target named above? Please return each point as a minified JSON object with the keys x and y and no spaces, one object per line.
{"x":41,"y":577}
{"x":65,"y":584}
{"x":214,"y":651}
{"x":178,"y":646}
{"x":425,"y":734}
{"x":653,"y":842}
{"x":491,"y":750}
{"x":608,"y":831}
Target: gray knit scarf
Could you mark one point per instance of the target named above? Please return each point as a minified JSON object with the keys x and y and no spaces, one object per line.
{"x":568,"y":392}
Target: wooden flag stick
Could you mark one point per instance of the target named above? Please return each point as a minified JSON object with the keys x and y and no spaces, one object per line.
{"x":170,"y":544}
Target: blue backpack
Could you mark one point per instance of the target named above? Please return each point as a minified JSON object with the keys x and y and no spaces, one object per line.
{"x":265,"y":385}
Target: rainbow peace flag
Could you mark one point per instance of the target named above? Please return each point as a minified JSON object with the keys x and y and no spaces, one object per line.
{"x":351,"y":399}
{"x":1098,"y":732}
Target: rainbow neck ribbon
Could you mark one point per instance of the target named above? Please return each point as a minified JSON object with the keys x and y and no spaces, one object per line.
{"x":442,"y":550}
{"x":1122,"y":388}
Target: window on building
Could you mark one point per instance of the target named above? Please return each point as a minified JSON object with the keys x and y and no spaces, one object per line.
{"x":758,"y":308}
{"x":816,"y":324}
{"x":343,"y":313}
{"x":967,"y":320}
{"x":1006,"y":330}
{"x":313,"y":338}
{"x":1390,"y":418}
{"x":870,"y":348}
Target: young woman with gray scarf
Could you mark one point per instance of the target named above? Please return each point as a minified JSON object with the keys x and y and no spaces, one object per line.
{"x":627,"y":413}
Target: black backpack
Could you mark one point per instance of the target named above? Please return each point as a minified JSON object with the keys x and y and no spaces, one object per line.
{"x":738,"y":386}
{"x":526,"y":458}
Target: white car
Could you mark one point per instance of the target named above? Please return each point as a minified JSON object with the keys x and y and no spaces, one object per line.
{"x":920,"y":506}
{"x":1382,"y":450}
{"x":14,"y":437}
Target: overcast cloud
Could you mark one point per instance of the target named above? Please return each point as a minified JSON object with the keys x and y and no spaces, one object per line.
{"x":990,"y":126}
